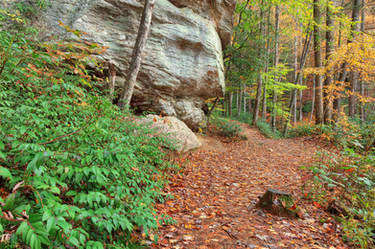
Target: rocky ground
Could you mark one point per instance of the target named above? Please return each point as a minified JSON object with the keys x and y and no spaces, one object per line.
{"x":219,"y":186}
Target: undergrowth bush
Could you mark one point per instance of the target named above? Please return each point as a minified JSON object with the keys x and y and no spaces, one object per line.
{"x":225,"y":127}
{"x":302,"y":129}
{"x":266,"y":129}
{"x":351,"y":133}
{"x":75,"y":171}
{"x":246,"y":118}
{"x":345,"y":184}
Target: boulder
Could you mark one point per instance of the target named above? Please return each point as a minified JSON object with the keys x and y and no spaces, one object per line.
{"x":182,"y":137}
{"x":183,"y":61}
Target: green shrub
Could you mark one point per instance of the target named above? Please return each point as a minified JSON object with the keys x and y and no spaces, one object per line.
{"x":75,"y":170}
{"x":302,"y":129}
{"x":224,"y":127}
{"x":351,"y":133}
{"x":307,"y":106}
{"x":246,"y":118}
{"x":266,"y":129}
{"x":349,"y":180}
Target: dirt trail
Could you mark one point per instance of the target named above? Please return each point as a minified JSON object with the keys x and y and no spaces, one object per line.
{"x":217,"y":192}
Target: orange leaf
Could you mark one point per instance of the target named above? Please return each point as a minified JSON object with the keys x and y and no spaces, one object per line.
{"x":316,"y":204}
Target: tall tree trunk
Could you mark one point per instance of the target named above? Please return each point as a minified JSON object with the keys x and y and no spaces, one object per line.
{"x":260,"y":78}
{"x":239,"y":107}
{"x":258,"y":98}
{"x":341,"y":77}
{"x":362,"y":86}
{"x":249,"y":105}
{"x":313,"y":98}
{"x":230,"y":104}
{"x":328,"y":103}
{"x":112,"y":79}
{"x":354,"y":75}
{"x":135,"y":64}
{"x":293,"y":110}
{"x":298,"y":78}
{"x":318,"y":64}
{"x":277,"y":57}
{"x":268,"y":52}
{"x":300,"y":109}
{"x":264,"y":102}
{"x":244,"y":102}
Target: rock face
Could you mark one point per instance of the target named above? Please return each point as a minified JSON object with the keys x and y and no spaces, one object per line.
{"x":182,"y":137}
{"x":182,"y":65}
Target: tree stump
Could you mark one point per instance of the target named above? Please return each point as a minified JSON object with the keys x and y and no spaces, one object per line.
{"x":277,"y":202}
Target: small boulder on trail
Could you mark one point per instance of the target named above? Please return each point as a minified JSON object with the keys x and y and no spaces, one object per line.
{"x":182,"y":137}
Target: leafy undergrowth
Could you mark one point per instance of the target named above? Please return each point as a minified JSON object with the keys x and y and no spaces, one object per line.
{"x":75,"y":171}
{"x":224,"y":127}
{"x":344,"y":182}
{"x":267,"y":130}
{"x":345,"y":185}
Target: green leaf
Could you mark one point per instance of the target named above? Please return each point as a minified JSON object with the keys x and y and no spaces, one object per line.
{"x":3,"y":155}
{"x":74,"y":241}
{"x":51,"y":222}
{"x":4,"y":172}
{"x":71,"y":193}
{"x":55,"y":190}
{"x":35,"y":242}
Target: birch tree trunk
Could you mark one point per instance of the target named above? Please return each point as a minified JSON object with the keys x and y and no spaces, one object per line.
{"x":135,"y":64}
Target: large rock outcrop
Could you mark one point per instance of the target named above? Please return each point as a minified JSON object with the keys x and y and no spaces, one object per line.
{"x":183,"y":64}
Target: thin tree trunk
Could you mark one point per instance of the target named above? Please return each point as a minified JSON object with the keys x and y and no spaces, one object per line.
{"x":249,"y":107}
{"x":328,"y":105}
{"x":277,"y":57}
{"x":313,"y":101}
{"x":295,"y":72}
{"x":239,"y":106}
{"x":341,"y":77}
{"x":354,"y":75}
{"x":244,"y":102}
{"x":112,"y":80}
{"x":260,"y":78}
{"x":318,"y":64}
{"x":268,"y":52}
{"x":239,"y":111}
{"x":298,"y":77}
{"x":230,"y":95}
{"x":135,"y":64}
{"x":300,"y":111}
{"x":362,"y":86}
{"x":230,"y":104}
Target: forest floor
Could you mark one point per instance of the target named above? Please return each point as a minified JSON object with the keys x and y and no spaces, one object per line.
{"x":220,"y":184}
